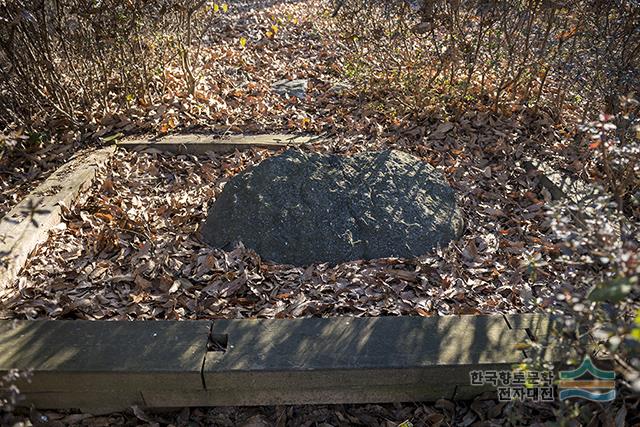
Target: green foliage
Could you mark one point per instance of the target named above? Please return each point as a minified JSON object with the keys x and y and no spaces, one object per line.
{"x":614,"y":291}
{"x":635,"y":332}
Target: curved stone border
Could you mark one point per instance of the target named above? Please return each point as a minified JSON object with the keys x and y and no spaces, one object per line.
{"x":28,"y":223}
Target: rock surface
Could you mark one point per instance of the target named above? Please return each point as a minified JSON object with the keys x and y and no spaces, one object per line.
{"x":300,"y":208}
{"x":297,"y":88}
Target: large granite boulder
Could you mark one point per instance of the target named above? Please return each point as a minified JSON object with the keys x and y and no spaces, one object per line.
{"x":300,"y":208}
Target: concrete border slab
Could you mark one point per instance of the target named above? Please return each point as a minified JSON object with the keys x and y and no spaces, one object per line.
{"x":28,"y":223}
{"x":202,"y":144}
{"x":358,"y":359}
{"x":98,"y":366}
{"x":85,"y":364}
{"x":546,"y":341}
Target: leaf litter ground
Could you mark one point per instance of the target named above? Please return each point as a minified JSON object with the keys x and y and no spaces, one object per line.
{"x":129,"y":249}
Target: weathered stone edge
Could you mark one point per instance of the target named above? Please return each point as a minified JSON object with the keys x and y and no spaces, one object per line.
{"x":118,"y":386}
{"x":202,"y":144}
{"x":28,"y":223}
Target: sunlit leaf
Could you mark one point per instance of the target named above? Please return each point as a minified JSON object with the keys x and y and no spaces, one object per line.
{"x":613,"y":291}
{"x":113,"y":137}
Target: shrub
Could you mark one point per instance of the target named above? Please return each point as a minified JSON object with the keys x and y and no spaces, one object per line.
{"x":615,"y":142}
{"x":501,"y":54}
{"x":64,"y":61}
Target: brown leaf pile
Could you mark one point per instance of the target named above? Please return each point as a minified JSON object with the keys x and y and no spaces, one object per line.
{"x":254,"y":45}
{"x":483,"y":411}
{"x":130,"y":249}
{"x":443,"y":412}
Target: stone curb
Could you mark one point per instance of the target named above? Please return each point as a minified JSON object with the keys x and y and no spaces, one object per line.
{"x":28,"y":223}
{"x":202,"y":144}
{"x":105,"y":366}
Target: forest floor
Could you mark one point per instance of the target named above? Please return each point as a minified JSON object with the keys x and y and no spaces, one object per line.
{"x":134,"y":234}
{"x":129,"y":249}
